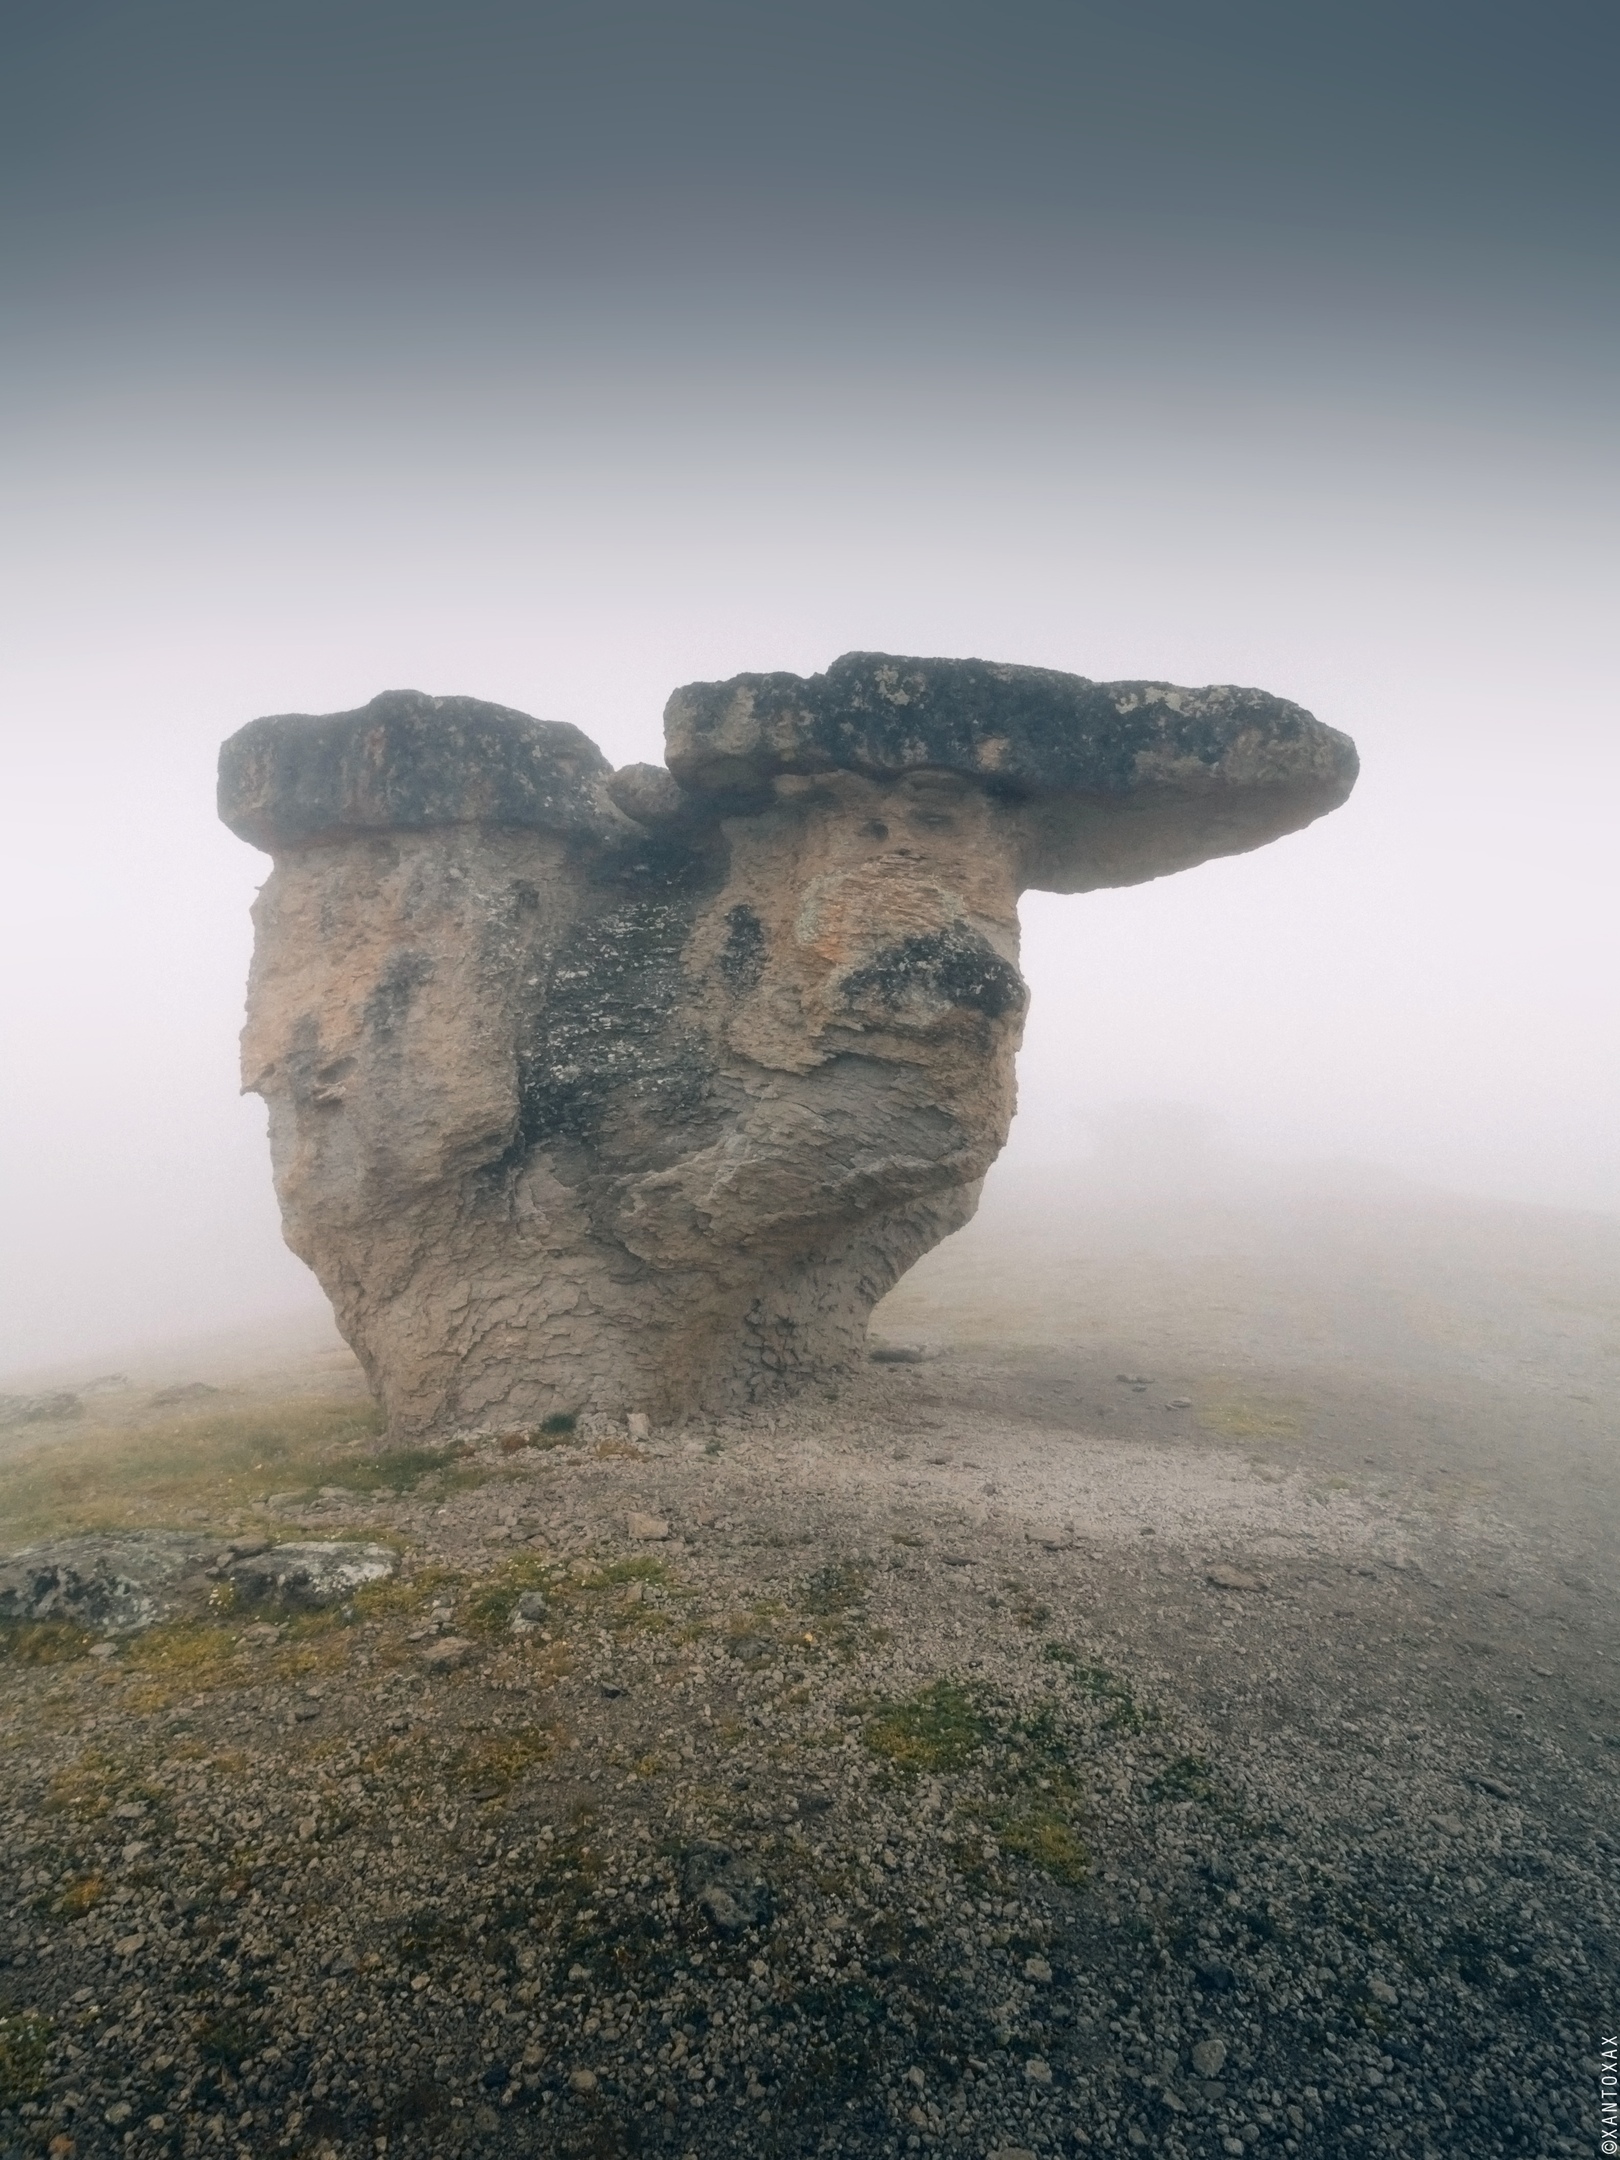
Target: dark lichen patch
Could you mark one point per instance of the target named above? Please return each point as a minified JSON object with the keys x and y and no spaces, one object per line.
{"x":423,"y":2100}
{"x":389,"y":1003}
{"x":955,"y":966}
{"x":742,"y":957}
{"x":556,"y":1430}
{"x":606,"y":1041}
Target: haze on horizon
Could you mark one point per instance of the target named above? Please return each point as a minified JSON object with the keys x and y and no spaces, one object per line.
{"x":563,"y":354}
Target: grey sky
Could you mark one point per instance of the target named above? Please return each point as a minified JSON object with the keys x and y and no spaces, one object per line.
{"x":560,"y":354}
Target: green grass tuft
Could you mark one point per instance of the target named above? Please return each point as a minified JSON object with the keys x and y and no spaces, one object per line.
{"x":942,"y":1727}
{"x":1125,"y":1713}
{"x":1189,"y":1777}
{"x":836,"y":1588}
{"x":25,"y":2046}
{"x":1045,"y":1837}
{"x":43,"y":1642}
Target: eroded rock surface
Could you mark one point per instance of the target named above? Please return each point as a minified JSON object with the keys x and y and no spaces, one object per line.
{"x":119,"y":1582}
{"x":637,"y":1090}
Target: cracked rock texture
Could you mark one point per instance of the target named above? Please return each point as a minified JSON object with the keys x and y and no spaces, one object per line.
{"x":637,"y":1090}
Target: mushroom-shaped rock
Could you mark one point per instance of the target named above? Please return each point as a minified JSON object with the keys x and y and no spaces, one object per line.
{"x":638,"y":1090}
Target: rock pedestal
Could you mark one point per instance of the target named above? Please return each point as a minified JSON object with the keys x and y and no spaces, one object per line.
{"x":637,"y":1090}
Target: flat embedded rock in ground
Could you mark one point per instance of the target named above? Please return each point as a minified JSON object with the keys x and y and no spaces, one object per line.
{"x":309,"y":1574}
{"x":111,"y":1584}
{"x":118,"y":1583}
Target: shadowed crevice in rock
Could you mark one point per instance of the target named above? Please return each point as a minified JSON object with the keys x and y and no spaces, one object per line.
{"x":596,"y":1090}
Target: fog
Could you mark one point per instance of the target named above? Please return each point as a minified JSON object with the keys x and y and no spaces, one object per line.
{"x":560,"y":356}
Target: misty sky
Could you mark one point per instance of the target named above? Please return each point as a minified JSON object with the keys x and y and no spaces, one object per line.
{"x":559,"y":354}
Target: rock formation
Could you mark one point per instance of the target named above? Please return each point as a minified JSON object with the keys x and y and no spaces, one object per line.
{"x":637,"y":1090}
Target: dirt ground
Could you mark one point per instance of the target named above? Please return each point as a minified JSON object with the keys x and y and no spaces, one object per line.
{"x":1177,"y":1713}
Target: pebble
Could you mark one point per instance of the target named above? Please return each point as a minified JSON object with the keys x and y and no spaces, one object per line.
{"x":447,"y":1653}
{"x":1231,"y":1578}
{"x":1209,"y":2057}
{"x":648,"y":1529}
{"x":582,"y":2081}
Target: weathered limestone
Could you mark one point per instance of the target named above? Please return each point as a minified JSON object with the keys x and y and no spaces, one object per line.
{"x":638,"y":1090}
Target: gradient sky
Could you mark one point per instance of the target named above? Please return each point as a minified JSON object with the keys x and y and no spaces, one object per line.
{"x":560,"y":354}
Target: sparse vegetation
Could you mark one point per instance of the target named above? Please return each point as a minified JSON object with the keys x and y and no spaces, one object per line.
{"x":43,"y":1642}
{"x":488,"y":1765}
{"x":942,"y":1727}
{"x":1186,"y":1777}
{"x":1045,"y":1837}
{"x":81,"y":1896}
{"x":1124,"y":1712}
{"x":25,"y":2046}
{"x":1241,"y":1417}
{"x":837,"y":1588}
{"x":118,"y":1477}
{"x":488,"y":1607}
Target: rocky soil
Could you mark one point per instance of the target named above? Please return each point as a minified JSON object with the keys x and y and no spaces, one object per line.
{"x":995,"y":1760}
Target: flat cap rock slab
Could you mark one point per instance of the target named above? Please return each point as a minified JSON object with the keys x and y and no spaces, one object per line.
{"x":636,"y":1090}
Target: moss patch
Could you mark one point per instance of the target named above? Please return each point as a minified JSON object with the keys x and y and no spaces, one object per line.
{"x":43,"y":1642}
{"x":941,"y":1728}
{"x":1045,"y":1837}
{"x":1123,"y":1712}
{"x":1188,"y":1777}
{"x":25,"y":2046}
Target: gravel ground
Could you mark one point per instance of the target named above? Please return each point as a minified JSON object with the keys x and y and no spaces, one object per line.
{"x":917,"y":1772}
